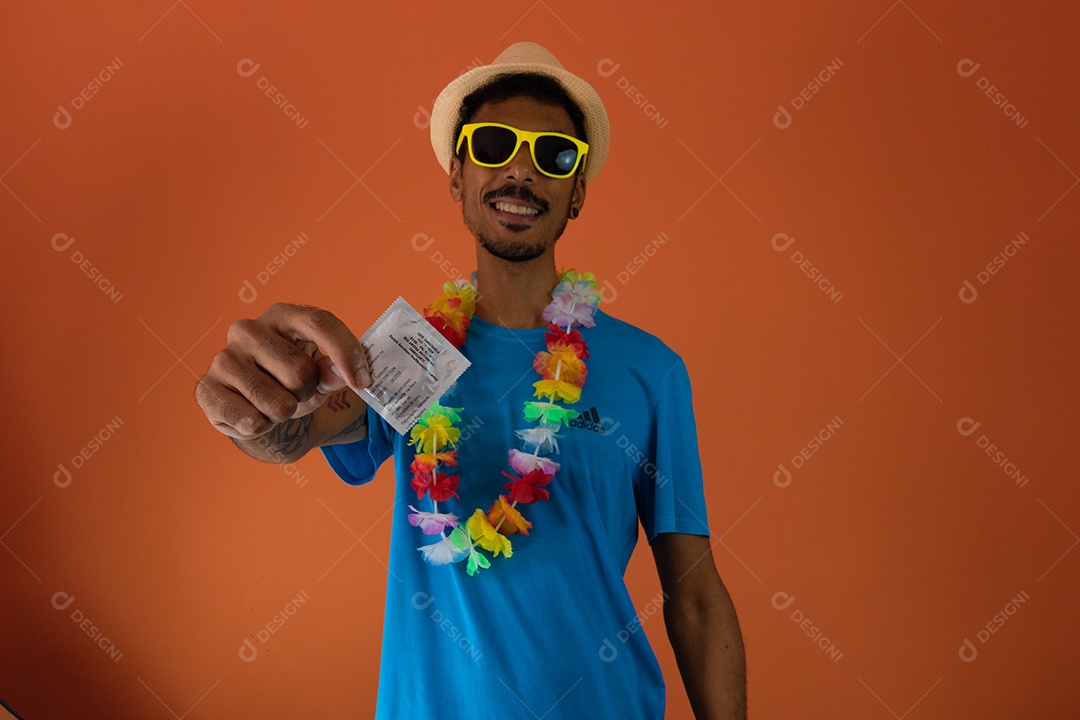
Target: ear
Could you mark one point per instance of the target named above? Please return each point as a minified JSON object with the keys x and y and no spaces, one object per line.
{"x":577,"y":198}
{"x":455,"y":179}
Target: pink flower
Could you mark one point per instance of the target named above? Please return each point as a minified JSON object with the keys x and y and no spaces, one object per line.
{"x":431,"y":523}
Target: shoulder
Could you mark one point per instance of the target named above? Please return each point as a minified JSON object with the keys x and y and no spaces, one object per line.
{"x":639,"y":346}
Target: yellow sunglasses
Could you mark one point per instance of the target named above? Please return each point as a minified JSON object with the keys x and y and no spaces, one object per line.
{"x":494,"y":145}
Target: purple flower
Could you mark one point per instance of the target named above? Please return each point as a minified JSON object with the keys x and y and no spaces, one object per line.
{"x":431,"y":523}
{"x":569,"y":307}
{"x":523,"y":463}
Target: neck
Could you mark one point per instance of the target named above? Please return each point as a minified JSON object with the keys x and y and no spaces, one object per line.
{"x":514,"y":294}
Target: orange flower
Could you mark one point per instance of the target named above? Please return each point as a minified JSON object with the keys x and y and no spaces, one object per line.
{"x":511,"y":520}
{"x":562,"y":360}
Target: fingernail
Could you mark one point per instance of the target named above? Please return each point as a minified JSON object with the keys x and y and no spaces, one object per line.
{"x":365,"y":377}
{"x":338,"y":373}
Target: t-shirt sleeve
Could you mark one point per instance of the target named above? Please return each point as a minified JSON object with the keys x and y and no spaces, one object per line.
{"x":357,"y":462}
{"x":670,"y":494}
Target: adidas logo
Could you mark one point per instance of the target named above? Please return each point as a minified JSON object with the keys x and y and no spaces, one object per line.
{"x":589,"y":420}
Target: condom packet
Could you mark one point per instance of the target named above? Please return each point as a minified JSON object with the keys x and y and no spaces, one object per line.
{"x":412,"y":365}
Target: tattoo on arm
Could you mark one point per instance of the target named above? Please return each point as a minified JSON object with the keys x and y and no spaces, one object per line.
{"x":359,"y":422}
{"x":338,"y":401}
{"x":288,"y":437}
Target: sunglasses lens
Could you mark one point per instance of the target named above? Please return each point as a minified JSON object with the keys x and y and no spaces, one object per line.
{"x":493,"y":145}
{"x":556,"y":155}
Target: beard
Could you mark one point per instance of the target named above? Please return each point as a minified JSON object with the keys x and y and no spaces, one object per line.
{"x":511,"y":249}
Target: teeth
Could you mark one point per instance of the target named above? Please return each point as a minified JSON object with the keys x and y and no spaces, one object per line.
{"x":516,"y":209}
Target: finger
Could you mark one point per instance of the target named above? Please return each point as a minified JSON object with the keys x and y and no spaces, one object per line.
{"x":304,"y":323}
{"x":266,"y":395}
{"x":259,"y":345}
{"x":229,"y":411}
{"x":329,"y":383}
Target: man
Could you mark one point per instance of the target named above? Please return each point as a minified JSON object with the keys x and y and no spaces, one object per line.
{"x":550,"y":631}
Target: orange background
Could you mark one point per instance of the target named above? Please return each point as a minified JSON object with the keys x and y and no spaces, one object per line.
{"x":899,"y":180}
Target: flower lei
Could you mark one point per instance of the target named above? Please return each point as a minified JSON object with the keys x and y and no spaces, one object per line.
{"x":562,"y":375}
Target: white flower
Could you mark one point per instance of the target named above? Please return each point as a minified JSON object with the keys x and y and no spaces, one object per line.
{"x":443,"y":552}
{"x":541,"y":438}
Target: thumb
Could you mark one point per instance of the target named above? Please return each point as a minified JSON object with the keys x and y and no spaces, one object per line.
{"x":329,"y":380}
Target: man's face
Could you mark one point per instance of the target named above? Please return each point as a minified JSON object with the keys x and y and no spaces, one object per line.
{"x":489,"y":196}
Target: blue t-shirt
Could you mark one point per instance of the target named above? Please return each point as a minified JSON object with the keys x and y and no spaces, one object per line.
{"x":552,"y":628}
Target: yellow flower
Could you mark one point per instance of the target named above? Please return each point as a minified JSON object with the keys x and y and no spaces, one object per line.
{"x":557,"y":390}
{"x":456,"y":306}
{"x":437,"y":433}
{"x":484,"y":535}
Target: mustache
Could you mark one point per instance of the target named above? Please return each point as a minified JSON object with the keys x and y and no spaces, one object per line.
{"x":521,"y":192}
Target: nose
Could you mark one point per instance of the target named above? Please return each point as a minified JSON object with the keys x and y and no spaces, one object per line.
{"x":521,"y":166}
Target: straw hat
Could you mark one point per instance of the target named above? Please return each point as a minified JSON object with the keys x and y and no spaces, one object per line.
{"x":521,"y":57}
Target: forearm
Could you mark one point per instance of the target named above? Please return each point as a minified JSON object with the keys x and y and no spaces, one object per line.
{"x":286,"y":443}
{"x":709,"y":650}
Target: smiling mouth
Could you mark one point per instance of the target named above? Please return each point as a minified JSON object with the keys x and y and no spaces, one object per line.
{"x":514,"y":209}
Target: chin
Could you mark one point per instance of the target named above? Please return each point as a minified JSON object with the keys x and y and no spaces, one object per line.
{"x":511,"y":250}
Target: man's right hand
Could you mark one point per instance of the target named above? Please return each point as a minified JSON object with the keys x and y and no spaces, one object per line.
{"x":272,"y":371}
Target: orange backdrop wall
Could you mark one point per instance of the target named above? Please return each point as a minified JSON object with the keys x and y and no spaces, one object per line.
{"x":855,"y":221}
